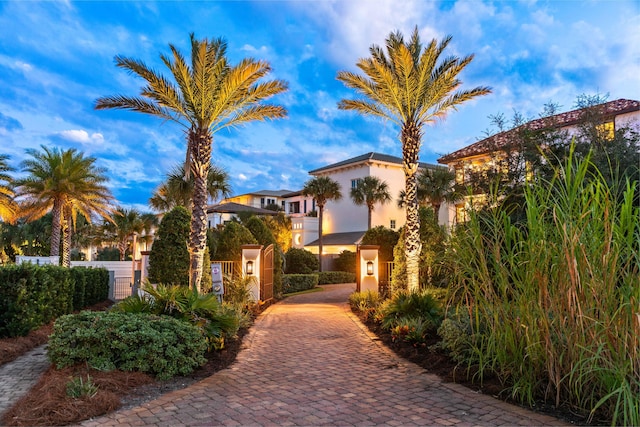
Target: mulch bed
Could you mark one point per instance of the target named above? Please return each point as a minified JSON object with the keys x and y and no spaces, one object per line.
{"x":47,"y":402}
{"x":438,"y":363}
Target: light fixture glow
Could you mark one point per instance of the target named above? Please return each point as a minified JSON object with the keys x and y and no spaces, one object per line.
{"x":249,"y":267}
{"x":369,"y":268}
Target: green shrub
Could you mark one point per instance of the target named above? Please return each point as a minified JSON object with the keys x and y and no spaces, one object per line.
{"x":455,"y":332}
{"x":158,"y":345}
{"x":201,"y":310}
{"x":346,"y":261}
{"x":332,"y":277}
{"x":79,"y":287}
{"x":413,"y":330}
{"x":230,"y":241}
{"x":300,"y":261}
{"x":366,"y":303}
{"x":385,"y":238}
{"x":298,"y":282}
{"x":77,"y":387}
{"x":403,"y":305}
{"x":32,"y":296}
{"x":169,"y":257}
{"x":96,"y":285}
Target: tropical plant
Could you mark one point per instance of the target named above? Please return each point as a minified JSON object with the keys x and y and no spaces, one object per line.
{"x":408,"y":86}
{"x":169,"y":257}
{"x":553,"y":302}
{"x":65,"y":183}
{"x":369,"y":191}
{"x":208,"y":95}
{"x":124,"y":225}
{"x":183,"y":303}
{"x":437,"y":186}
{"x":177,"y":190}
{"x":323,"y":189}
{"x":8,"y":208}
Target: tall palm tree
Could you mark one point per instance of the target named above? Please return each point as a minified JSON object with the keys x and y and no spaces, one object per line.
{"x":125,"y":225}
{"x":322,"y":189}
{"x":410,"y":87}
{"x":370,"y":191}
{"x":177,"y":190}
{"x":64,"y":183}
{"x":205,"y":96}
{"x":7,"y":204}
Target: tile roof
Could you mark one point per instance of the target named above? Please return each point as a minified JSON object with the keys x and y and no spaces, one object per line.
{"x":349,"y":238}
{"x":365,"y":158}
{"x":231,"y":207}
{"x":503,"y":139}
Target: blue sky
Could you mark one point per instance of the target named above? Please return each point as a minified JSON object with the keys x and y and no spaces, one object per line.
{"x":56,"y":58}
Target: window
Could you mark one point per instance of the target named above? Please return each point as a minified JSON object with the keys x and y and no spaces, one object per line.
{"x":392,"y":224}
{"x":461,"y":214}
{"x":606,"y":130}
{"x":305,"y":206}
{"x":355,"y":182}
{"x":262,"y":202}
{"x":283,"y":204}
{"x":294,"y":207}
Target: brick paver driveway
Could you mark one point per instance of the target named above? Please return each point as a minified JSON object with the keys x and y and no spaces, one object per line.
{"x":308,"y":361}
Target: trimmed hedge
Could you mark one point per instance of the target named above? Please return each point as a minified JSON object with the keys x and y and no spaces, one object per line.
{"x":159,"y":345}
{"x":298,"y":282}
{"x":332,"y":277}
{"x":32,"y":296}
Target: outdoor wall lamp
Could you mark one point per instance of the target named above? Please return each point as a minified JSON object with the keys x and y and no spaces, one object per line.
{"x":369,"y":268}
{"x":249,"y":268}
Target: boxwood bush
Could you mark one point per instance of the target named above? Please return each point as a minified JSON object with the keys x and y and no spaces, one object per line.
{"x":32,"y":295}
{"x":159,"y":345}
{"x":298,"y":282}
{"x":331,"y":277}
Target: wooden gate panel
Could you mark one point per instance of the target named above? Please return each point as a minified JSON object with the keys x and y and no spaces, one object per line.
{"x":266,"y":282}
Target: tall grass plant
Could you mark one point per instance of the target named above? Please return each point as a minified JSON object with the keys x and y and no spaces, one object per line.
{"x":554,"y":303}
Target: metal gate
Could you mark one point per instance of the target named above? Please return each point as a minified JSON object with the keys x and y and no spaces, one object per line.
{"x":266,"y":282}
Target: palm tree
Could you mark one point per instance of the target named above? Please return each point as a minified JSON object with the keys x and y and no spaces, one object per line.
{"x":126,"y":224}
{"x":65,"y":183}
{"x":322,"y":189}
{"x":369,"y":191}
{"x":207,"y":95}
{"x":7,"y":204}
{"x":177,"y":190}
{"x":436,"y":186}
{"x":408,"y":86}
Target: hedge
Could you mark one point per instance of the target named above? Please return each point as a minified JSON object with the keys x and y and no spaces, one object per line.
{"x":298,"y":282}
{"x":32,"y":296}
{"x":331,"y":277}
{"x":159,"y":345}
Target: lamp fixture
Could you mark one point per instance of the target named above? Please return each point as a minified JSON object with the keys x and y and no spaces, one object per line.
{"x":249,"y":267}
{"x":369,"y":268}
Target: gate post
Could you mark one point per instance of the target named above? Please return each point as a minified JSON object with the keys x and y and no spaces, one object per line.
{"x":367,"y":272}
{"x":251,"y":267}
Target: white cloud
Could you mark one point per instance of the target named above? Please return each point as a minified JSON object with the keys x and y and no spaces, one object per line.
{"x":82,"y":136}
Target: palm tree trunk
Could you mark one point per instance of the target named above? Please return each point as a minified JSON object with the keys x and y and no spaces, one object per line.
{"x":122,"y":248}
{"x":413,"y":245}
{"x":320,"y":213}
{"x":369,"y":210}
{"x":200,"y":141}
{"x":66,"y":236}
{"x":56,"y":212}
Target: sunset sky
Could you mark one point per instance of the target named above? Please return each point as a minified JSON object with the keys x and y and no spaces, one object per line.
{"x":56,"y":58}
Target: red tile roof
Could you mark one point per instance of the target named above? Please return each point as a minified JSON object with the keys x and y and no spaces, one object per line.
{"x":503,"y":139}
